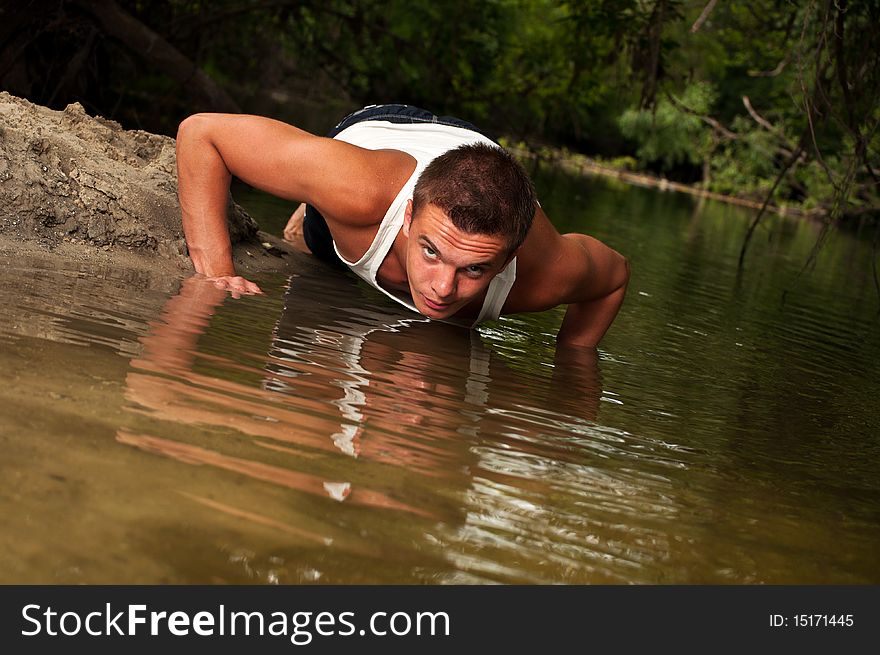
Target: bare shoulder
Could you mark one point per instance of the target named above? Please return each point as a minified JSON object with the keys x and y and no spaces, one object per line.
{"x":354,"y":186}
{"x":555,"y":269}
{"x":356,"y":190}
{"x":541,"y":264}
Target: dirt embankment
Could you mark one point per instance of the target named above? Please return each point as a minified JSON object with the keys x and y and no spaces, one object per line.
{"x":72,"y":185}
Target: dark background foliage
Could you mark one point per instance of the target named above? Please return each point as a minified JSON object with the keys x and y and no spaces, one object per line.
{"x":772,"y":99}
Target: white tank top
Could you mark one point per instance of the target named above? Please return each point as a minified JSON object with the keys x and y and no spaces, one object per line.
{"x":424,"y":142}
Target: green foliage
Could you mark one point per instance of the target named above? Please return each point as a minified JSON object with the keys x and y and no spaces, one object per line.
{"x":745,"y":166}
{"x":614,"y":78}
{"x":625,"y":163}
{"x":814,"y":178}
{"x":668,"y":135}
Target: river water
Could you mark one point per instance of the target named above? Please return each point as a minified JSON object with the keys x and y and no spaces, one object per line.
{"x":726,"y":431}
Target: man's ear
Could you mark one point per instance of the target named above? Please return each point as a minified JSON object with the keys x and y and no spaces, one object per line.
{"x":407,"y":218}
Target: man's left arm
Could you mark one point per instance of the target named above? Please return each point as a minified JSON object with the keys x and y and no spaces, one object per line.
{"x":597,"y":277}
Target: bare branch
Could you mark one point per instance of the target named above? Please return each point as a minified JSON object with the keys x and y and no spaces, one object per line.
{"x":703,"y":16}
{"x":786,"y":147}
{"x":808,"y":99}
{"x":74,"y":65}
{"x":776,"y":71}
{"x":654,"y":38}
{"x":785,"y":61}
{"x":202,"y":21}
{"x":791,"y":160}
{"x":140,"y":39}
{"x":760,"y":120}
{"x":708,"y":120}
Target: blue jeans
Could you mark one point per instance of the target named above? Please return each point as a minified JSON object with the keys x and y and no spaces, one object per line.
{"x":315,"y":231}
{"x":398,"y":114}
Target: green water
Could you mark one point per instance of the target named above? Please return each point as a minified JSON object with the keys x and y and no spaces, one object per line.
{"x":727,"y":430}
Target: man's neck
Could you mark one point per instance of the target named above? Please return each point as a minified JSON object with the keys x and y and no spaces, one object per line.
{"x":392,"y":272}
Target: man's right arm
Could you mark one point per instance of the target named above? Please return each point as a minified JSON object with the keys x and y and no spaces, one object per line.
{"x":340,"y":179}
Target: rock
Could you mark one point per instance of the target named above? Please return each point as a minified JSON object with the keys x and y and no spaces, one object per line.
{"x":68,"y":177}
{"x":272,"y":250}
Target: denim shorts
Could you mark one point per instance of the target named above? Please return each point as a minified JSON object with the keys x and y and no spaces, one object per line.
{"x":315,"y":231}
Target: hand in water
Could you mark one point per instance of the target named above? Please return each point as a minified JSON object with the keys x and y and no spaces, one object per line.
{"x":235,"y":284}
{"x":576,"y":385}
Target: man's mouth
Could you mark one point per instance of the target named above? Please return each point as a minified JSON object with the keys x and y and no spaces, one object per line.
{"x":436,"y":306}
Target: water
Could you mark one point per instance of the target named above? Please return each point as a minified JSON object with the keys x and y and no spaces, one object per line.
{"x":727,"y":431}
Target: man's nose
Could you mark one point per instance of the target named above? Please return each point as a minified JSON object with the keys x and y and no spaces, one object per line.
{"x":444,"y":283}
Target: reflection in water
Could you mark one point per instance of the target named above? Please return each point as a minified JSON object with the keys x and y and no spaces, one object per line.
{"x":318,"y":435}
{"x":196,"y":398}
{"x":405,"y":398}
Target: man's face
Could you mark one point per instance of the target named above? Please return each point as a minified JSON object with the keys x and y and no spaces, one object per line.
{"x":448,"y":268}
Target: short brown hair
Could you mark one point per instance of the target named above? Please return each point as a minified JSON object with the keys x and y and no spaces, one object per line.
{"x":482,"y":189}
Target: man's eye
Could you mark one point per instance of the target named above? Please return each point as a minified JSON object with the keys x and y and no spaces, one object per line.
{"x":474,"y":270}
{"x":430,"y":252}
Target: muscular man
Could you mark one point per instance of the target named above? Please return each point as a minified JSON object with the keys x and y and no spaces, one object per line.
{"x":424,"y":208}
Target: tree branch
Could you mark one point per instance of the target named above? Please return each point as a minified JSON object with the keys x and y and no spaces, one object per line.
{"x":792,"y":18}
{"x":776,"y":71}
{"x":760,"y":120}
{"x":703,"y":16}
{"x":791,"y":160}
{"x":708,"y":120}
{"x":75,"y":65}
{"x":808,"y":99}
{"x":155,"y":50}
{"x":787,"y":148}
{"x":202,"y":21}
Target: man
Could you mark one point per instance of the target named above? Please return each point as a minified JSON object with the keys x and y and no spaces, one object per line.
{"x":425,"y":208}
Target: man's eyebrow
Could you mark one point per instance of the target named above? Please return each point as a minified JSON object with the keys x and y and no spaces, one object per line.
{"x":428,"y":243}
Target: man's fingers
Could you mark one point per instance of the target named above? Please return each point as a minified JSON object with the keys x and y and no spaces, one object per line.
{"x":236,"y":285}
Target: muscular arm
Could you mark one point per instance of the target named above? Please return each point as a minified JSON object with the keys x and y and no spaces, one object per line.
{"x":574,"y":270}
{"x":598,"y":286}
{"x":342,"y":180}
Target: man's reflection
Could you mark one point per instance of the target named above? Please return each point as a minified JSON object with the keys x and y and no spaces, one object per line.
{"x":408,"y":398}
